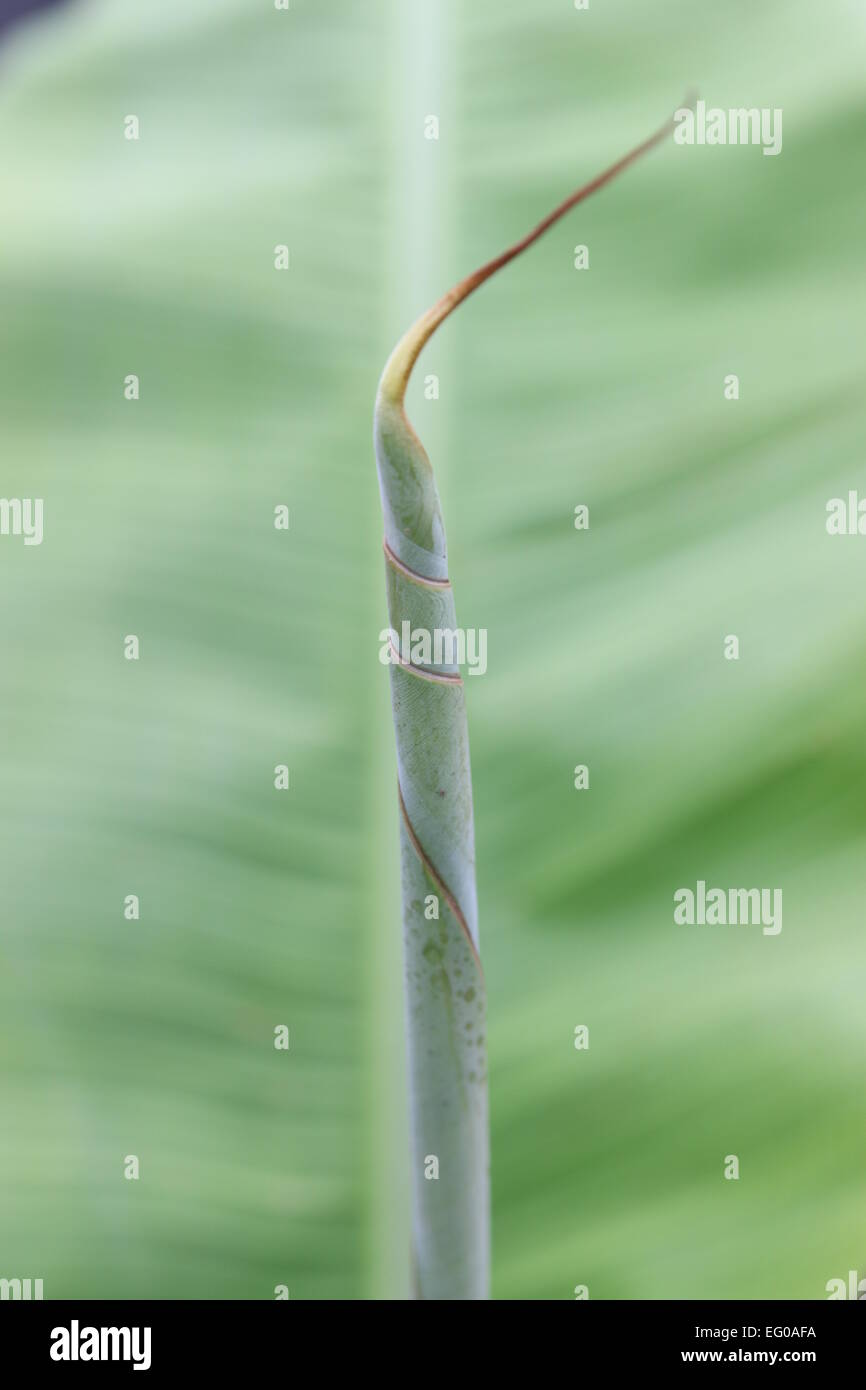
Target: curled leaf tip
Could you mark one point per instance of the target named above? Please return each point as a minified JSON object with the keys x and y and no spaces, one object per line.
{"x":398,"y":368}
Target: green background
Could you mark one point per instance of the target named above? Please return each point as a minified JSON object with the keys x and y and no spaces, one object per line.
{"x":259,"y":647}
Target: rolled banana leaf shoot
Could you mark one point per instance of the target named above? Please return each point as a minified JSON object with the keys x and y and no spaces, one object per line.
{"x":445,"y":996}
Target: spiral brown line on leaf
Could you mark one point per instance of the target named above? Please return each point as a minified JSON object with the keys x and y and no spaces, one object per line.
{"x":434,"y":873}
{"x":414,"y":575}
{"x":422,"y":672}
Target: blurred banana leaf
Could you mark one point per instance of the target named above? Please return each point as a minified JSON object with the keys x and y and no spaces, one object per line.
{"x":260,"y":647}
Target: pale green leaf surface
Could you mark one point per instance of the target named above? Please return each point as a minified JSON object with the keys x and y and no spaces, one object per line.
{"x":556,"y":387}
